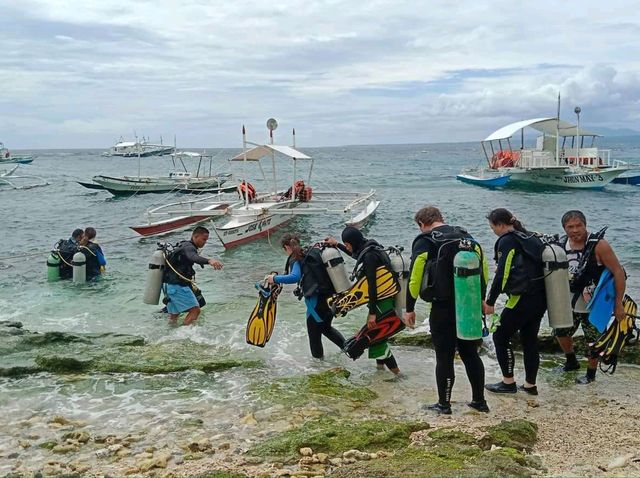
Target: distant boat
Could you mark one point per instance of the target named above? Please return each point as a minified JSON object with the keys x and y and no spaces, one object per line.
{"x":137,"y":148}
{"x":560,"y":157}
{"x":175,"y":181}
{"x":628,"y":178}
{"x":7,"y":157}
{"x":484,"y":177}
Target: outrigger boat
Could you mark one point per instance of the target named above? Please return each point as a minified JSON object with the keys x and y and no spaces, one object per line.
{"x":175,"y":181}
{"x":7,"y":157}
{"x":133,"y":149}
{"x":484,"y":177}
{"x":14,"y":181}
{"x":259,"y":215}
{"x":560,"y":157}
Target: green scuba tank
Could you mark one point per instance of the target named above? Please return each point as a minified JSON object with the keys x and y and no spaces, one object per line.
{"x":468,"y":295}
{"x":53,"y":267}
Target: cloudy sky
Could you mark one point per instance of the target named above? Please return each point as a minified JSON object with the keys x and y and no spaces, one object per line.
{"x":81,"y":73}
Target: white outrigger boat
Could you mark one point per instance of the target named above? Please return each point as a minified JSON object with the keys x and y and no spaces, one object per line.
{"x":7,"y":156}
{"x":133,"y":149}
{"x":259,"y":215}
{"x":15,"y":181}
{"x":560,"y":157}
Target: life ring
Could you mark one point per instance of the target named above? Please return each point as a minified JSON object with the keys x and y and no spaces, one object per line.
{"x":246,"y":189}
{"x":505,"y":159}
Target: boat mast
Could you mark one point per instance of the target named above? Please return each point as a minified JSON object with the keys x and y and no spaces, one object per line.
{"x":577,"y":111}
{"x":244,"y":153}
{"x":558,"y":133}
{"x":293,"y":184}
{"x":273,"y":161}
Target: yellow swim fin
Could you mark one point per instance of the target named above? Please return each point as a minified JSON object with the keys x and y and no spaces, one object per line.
{"x":358,"y":294}
{"x":262,"y":320}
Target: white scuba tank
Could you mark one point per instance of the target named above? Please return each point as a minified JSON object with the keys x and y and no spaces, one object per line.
{"x":336,"y":269}
{"x":556,"y":286}
{"x":400,"y":265}
{"x":153,"y":284}
{"x":79,"y":263}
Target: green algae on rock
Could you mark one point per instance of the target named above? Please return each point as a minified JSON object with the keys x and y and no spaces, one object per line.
{"x":331,"y":436}
{"x":518,"y":434}
{"x":331,"y":383}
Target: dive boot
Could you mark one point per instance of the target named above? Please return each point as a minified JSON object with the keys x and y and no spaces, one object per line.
{"x":584,"y":380}
{"x":480,"y":405}
{"x":530,"y":390}
{"x":502,"y":387}
{"x":438,"y":408}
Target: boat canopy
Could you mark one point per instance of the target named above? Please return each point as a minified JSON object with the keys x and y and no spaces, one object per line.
{"x":259,"y":152}
{"x":547,"y":126}
{"x":123,"y":144}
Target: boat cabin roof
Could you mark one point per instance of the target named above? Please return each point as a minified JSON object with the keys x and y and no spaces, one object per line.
{"x":259,"y":152}
{"x":544,"y":125}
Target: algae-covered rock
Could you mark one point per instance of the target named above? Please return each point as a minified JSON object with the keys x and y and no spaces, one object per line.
{"x":61,"y":364}
{"x":420,"y":339}
{"x":331,"y":436}
{"x":332,"y":383}
{"x":518,"y":434}
{"x":448,"y":435}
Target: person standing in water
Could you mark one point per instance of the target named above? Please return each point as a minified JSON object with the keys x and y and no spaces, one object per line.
{"x":588,"y":256}
{"x":319,"y":315}
{"x":179,"y":276}
{"x":519,"y":275}
{"x":433,"y":250}
{"x":369,"y":255}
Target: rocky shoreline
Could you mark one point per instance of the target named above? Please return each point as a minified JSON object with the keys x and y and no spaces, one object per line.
{"x":316,"y":425}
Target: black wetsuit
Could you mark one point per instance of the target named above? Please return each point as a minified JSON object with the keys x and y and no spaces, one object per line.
{"x":92,"y":253}
{"x":442,"y":323}
{"x":522,"y":312}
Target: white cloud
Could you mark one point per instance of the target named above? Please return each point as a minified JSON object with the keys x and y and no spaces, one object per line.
{"x":340,"y":71}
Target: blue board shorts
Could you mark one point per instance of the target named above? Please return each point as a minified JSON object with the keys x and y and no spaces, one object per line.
{"x":181,"y":298}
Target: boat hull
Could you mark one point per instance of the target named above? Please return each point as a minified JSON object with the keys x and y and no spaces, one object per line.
{"x":634,"y":180}
{"x":563,"y":178}
{"x":255,"y":227}
{"x":126,"y":186}
{"x":174,"y":224}
{"x":486,"y":182}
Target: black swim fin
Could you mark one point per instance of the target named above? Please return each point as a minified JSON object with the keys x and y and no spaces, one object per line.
{"x":262,"y":320}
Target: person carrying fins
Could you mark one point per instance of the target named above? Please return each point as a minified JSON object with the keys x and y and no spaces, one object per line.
{"x":306,"y":268}
{"x":519,"y":274}
{"x":433,"y":255}
{"x":589,"y":256}
{"x":370,"y":257}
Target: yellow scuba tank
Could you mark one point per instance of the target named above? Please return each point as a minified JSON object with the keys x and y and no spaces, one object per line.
{"x":153,"y":283}
{"x":556,"y":286}
{"x":53,"y":267}
{"x":468,"y":295}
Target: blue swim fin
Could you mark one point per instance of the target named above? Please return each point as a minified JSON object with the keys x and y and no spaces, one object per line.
{"x":602,"y":302}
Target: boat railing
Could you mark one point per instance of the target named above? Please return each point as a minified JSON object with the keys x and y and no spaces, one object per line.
{"x":589,"y":157}
{"x":532,"y":158}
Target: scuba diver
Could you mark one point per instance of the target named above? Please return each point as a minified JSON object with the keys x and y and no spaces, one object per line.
{"x":431,"y":278}
{"x":95,"y":260}
{"x":519,"y":274}
{"x":306,"y":269}
{"x":64,"y":250}
{"x":589,"y":255}
{"x":369,"y":256}
{"x":178,"y":280}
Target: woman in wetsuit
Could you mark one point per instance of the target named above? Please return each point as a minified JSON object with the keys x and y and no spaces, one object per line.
{"x":520,"y":276}
{"x":319,"y":315}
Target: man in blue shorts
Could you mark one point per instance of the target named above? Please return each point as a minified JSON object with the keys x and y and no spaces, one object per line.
{"x":179,"y":284}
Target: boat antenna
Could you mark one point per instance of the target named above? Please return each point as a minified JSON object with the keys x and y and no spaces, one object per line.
{"x":294,"y":137}
{"x":558,"y":132}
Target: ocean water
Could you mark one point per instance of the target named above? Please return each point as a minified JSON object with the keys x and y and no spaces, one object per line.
{"x":406,"y":177}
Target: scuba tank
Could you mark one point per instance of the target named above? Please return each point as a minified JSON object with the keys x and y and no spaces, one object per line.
{"x":53,"y":267}
{"x":155,"y":273}
{"x":468,"y":295}
{"x":336,"y":269}
{"x":556,"y":286}
{"x":400,"y":266}
{"x":79,"y":268}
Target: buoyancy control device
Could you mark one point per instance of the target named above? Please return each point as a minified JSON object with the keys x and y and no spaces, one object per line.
{"x":467,"y":285}
{"x":153,"y":282}
{"x":336,"y":269}
{"x":400,"y":267}
{"x":556,"y":285}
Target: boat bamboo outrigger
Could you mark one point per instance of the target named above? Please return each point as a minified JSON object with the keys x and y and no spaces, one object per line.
{"x":9,"y":180}
{"x":559,"y":158}
{"x":258,"y":215}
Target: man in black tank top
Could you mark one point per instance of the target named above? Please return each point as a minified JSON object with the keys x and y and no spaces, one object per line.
{"x":585,"y":273}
